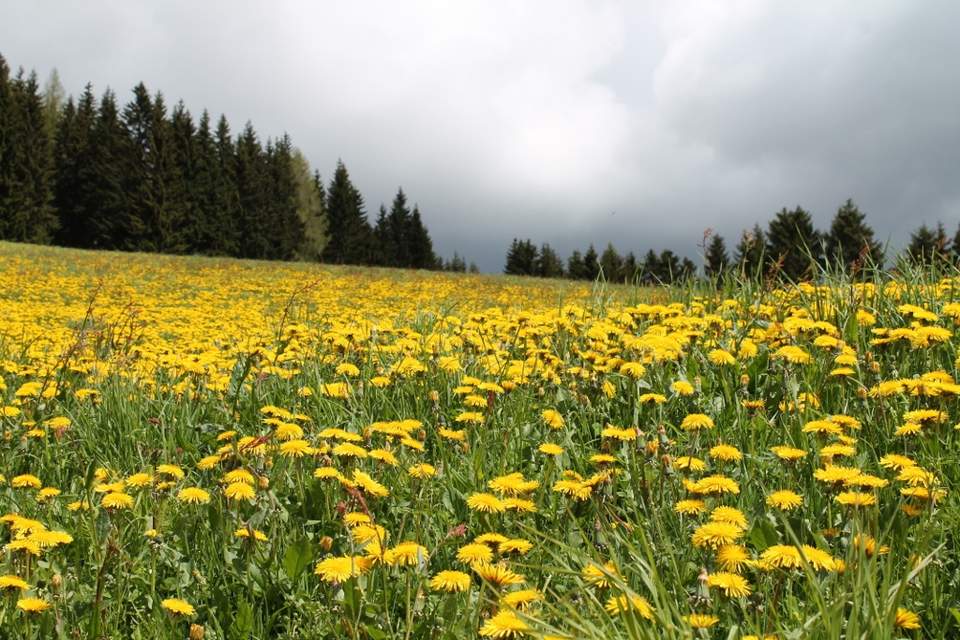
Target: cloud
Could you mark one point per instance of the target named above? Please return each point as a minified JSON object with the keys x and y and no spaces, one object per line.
{"x":566,"y":121}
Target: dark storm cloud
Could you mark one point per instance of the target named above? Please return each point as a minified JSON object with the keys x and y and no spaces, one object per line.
{"x":569,"y":122}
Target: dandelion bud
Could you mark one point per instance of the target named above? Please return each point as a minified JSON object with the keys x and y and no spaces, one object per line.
{"x":862,"y":393}
{"x":263,"y":482}
{"x":196,"y":632}
{"x":56,"y":581}
{"x":875,"y":367}
{"x":434,"y":396}
{"x":326,"y":542}
{"x":744,"y":380}
{"x":652,"y":447}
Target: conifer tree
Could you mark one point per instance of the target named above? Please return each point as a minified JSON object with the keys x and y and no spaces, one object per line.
{"x":576,"y":268}
{"x":591,"y":264}
{"x":399,"y":233}
{"x":226,"y":193}
{"x":73,"y":157}
{"x":611,"y":264}
{"x":521,"y":258}
{"x":651,"y":270}
{"x":850,"y":241}
{"x":793,"y":243}
{"x":751,"y":256}
{"x":548,"y":264}
{"x":183,"y":141}
{"x":929,"y":247}
{"x":631,"y":269}
{"x":104,"y":180}
{"x":671,"y":269}
{"x":716,"y":261}
{"x":421,"y":246}
{"x":351,"y":236}
{"x":386,"y":252}
{"x":26,"y":167}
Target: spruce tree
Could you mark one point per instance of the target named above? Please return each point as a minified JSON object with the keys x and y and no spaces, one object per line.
{"x":651,"y":271}
{"x":253,"y":189}
{"x":576,"y":269}
{"x":671,"y":269}
{"x":226,"y":196}
{"x":631,"y":269}
{"x":611,"y":264}
{"x":104,"y":180}
{"x":591,"y":264}
{"x":386,"y":251}
{"x":26,"y":168}
{"x":421,"y":246}
{"x":793,"y":244}
{"x":929,"y":247}
{"x":716,"y":261}
{"x":351,"y":236}
{"x":850,"y":240}
{"x":73,"y":156}
{"x":548,"y":264}
{"x":399,"y":236}
{"x":285,"y":227}
{"x":205,"y":219}
{"x":521,"y":258}
{"x":751,"y":256}
{"x":187,"y":181}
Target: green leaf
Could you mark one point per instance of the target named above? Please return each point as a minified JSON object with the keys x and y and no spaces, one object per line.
{"x":297,"y":558}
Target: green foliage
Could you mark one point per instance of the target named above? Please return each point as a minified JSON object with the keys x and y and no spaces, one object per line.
{"x":850,"y":242}
{"x":793,"y":245}
{"x":716,"y":260}
{"x":83,"y":175}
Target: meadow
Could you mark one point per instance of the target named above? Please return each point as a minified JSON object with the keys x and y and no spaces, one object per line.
{"x":203,"y":448}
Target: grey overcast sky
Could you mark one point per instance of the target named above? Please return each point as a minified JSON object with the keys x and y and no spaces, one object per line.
{"x":566,"y":121}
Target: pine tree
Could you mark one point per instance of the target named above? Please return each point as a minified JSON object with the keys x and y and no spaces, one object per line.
{"x":225,"y":221}
{"x":716,"y":261}
{"x":205,"y":218}
{"x":521,"y":258}
{"x":6,"y":134}
{"x":187,"y":186}
{"x":351,"y":236}
{"x":688,"y":269}
{"x":793,"y":243}
{"x":929,"y":247}
{"x":156,"y":201}
{"x":548,"y":264}
{"x":253,"y":188}
{"x":850,"y":241}
{"x":576,"y":268}
{"x":73,"y":156}
{"x":104,"y":180}
{"x":399,"y":233}
{"x":591,"y":264}
{"x":611,"y":264}
{"x":751,"y":256}
{"x":286,"y":227}
{"x":651,"y":271}
{"x":386,"y":251}
{"x":26,"y":167}
{"x":671,"y":269}
{"x":631,"y":269}
{"x":421,"y":246}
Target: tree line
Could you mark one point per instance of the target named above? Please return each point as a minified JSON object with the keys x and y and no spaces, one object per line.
{"x":92,"y":173}
{"x":789,"y":248}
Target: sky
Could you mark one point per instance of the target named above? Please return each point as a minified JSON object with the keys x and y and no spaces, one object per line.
{"x":565,"y":121}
